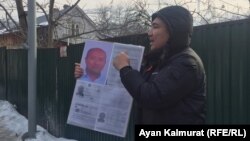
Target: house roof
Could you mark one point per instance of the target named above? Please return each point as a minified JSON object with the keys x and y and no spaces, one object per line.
{"x":42,"y":19}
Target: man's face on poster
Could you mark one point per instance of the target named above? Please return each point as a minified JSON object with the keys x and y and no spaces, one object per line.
{"x":95,"y":60}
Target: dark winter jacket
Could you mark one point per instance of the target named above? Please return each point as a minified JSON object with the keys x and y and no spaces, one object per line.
{"x":171,"y":88}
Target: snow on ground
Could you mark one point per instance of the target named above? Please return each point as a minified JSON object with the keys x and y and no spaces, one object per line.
{"x":13,"y":125}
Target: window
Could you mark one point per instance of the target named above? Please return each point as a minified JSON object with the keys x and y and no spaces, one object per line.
{"x":67,"y":29}
{"x":75,"y":29}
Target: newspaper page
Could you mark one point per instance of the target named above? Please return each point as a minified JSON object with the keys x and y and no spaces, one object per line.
{"x":135,"y":54}
{"x":103,"y":105}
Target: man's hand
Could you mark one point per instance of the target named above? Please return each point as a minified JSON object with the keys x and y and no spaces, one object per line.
{"x":78,"y":71}
{"x":121,"y":60}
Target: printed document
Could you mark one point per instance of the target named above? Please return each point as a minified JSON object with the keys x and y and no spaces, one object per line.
{"x":103,"y":104}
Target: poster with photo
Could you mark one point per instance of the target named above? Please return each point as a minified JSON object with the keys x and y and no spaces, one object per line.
{"x":100,"y":102}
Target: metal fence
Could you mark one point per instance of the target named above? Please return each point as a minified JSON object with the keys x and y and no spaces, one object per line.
{"x":224,"y":49}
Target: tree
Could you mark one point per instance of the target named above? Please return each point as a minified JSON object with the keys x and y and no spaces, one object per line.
{"x":119,"y":20}
{"x":123,"y":20}
{"x":134,"y":18}
{"x":22,"y":26}
{"x":22,"y":17}
{"x":9,"y":22}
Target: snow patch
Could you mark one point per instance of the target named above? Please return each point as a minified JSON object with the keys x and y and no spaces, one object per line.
{"x":13,"y":125}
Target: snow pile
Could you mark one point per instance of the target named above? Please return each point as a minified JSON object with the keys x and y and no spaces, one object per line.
{"x":13,"y":126}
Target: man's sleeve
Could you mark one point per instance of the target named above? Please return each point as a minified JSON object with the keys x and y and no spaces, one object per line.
{"x":166,"y":88}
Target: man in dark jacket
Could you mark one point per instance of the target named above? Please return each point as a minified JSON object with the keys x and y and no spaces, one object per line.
{"x":171,"y":88}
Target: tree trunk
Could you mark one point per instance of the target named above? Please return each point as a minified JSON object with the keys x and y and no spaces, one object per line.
{"x":51,"y":24}
{"x":22,"y":18}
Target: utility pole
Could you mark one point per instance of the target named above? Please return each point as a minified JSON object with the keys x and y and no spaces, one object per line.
{"x":32,"y":65}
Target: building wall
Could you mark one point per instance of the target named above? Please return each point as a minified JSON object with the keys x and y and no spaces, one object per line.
{"x":11,"y":40}
{"x":73,"y":18}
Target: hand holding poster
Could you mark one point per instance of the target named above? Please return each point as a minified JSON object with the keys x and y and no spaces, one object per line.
{"x":100,"y":102}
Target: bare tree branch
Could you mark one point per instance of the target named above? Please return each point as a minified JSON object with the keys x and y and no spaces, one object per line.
{"x":124,"y":19}
{"x":231,"y":12}
{"x":198,"y":13}
{"x":3,"y":25}
{"x":8,"y":14}
{"x":86,"y":32}
{"x":73,"y":6}
{"x":45,"y":13}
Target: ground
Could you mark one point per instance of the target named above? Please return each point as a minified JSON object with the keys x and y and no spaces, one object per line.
{"x":13,"y":125}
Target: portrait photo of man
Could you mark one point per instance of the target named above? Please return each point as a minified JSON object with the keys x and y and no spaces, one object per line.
{"x":95,"y":61}
{"x":80,"y":91}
